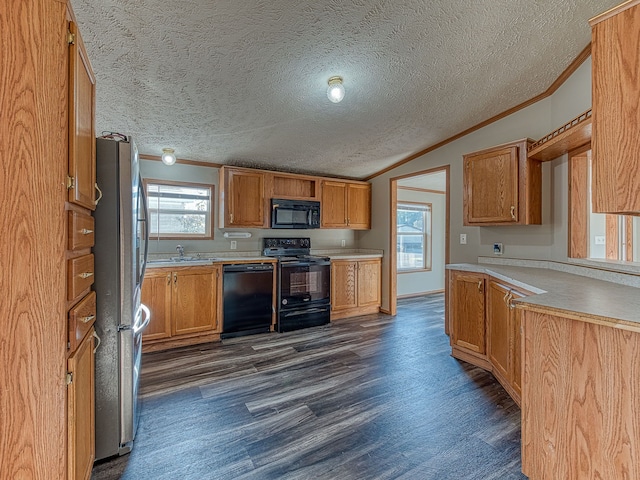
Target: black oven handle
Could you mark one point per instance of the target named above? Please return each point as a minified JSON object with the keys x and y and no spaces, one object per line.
{"x":296,"y":313}
{"x":305,"y":263}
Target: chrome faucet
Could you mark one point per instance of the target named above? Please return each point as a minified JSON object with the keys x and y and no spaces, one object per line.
{"x":180,"y":250}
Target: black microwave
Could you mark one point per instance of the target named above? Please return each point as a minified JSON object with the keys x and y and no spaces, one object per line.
{"x":294,"y":213}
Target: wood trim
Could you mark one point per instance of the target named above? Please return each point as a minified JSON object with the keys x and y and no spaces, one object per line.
{"x":354,"y":312}
{"x":613,"y":12}
{"x":578,"y":228}
{"x":393,"y":238}
{"x":573,"y":66}
{"x":421,"y":294}
{"x":612,"y":238}
{"x":182,"y":341}
{"x":393,"y":268}
{"x":212,"y":198}
{"x":181,"y":161}
{"x":628,"y":233}
{"x":425,"y":190}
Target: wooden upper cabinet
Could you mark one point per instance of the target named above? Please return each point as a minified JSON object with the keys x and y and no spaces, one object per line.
{"x":82,"y":138}
{"x":502,"y":186}
{"x":346,"y":205}
{"x":359,"y":206}
{"x":616,"y":87}
{"x":295,"y":187}
{"x":242,"y":198}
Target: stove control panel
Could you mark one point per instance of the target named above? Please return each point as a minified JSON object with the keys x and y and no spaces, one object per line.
{"x":287,"y":243}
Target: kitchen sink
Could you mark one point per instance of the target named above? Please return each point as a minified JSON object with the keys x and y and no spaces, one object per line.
{"x":189,"y":260}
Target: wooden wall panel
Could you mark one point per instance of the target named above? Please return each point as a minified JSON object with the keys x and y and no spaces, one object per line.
{"x":33,"y":129}
{"x":579,"y":206}
{"x":580,"y":400}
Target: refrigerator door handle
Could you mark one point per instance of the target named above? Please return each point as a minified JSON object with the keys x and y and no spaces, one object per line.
{"x":147,"y":318}
{"x":145,"y":220}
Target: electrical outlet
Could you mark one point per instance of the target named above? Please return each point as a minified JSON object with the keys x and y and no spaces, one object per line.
{"x":234,"y":244}
{"x":497,"y":249}
{"x":343,"y":243}
{"x":600,"y":240}
{"x":463,"y":239}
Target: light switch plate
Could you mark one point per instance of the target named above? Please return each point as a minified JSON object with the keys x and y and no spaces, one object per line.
{"x":234,"y":244}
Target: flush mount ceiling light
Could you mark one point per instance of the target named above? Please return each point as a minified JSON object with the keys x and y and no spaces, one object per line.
{"x":168,"y":156}
{"x":335,"y":91}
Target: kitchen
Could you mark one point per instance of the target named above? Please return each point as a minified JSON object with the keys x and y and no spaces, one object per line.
{"x":543,"y":242}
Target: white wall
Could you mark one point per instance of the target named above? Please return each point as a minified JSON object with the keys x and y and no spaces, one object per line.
{"x":320,"y":238}
{"x":431,"y":281}
{"x":546,"y":241}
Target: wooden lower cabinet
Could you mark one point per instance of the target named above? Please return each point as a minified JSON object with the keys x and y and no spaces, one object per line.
{"x":580,"y":398}
{"x":184,"y":305}
{"x":81,"y":410}
{"x":485,"y":327}
{"x":467,"y":317}
{"x":504,"y":347}
{"x":355,"y":287}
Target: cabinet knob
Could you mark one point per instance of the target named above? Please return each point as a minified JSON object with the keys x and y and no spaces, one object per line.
{"x":86,"y":231}
{"x":86,"y":275}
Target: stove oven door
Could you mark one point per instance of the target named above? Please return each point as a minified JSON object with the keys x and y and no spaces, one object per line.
{"x":303,"y":284}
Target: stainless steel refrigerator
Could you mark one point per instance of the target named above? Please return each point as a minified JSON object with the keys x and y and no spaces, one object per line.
{"x":120,"y":258}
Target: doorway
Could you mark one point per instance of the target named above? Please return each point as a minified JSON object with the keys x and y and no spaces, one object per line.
{"x":419,"y":234}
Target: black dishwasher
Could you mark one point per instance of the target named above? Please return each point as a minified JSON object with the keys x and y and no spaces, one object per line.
{"x":248,"y":299}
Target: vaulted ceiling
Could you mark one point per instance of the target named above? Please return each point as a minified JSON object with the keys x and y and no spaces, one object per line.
{"x":244,"y":81}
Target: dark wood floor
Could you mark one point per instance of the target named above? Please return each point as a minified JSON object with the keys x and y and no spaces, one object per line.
{"x":375,"y":397}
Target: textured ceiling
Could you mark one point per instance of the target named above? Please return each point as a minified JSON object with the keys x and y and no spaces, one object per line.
{"x":243,"y":81}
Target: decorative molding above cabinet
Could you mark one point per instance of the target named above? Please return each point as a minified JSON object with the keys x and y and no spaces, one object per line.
{"x":502,"y":186}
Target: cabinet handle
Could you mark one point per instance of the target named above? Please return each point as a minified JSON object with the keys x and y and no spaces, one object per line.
{"x":87,"y":319}
{"x":509,"y":302}
{"x":100,"y":193}
{"x":86,"y":231}
{"x":98,"y":339}
{"x":479,"y":285}
{"x":86,"y":274}
{"x":175,"y":278}
{"x":168,"y":279}
{"x":505,"y":298}
{"x":513,"y":212}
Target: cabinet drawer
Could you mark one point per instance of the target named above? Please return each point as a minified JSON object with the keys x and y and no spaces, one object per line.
{"x":79,"y":275}
{"x":81,"y":318}
{"x":81,"y":230}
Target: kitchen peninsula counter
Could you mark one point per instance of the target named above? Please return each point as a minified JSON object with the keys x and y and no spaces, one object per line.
{"x":576,"y":296}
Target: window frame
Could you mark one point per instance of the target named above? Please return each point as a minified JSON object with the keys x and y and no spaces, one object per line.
{"x":209,"y":216}
{"x":427,"y":234}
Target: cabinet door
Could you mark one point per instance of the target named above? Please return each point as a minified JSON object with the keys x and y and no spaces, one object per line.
{"x":491,"y":187}
{"x":468,"y":317}
{"x":81,"y":410}
{"x":344,"y":284}
{"x":245,"y":198}
{"x":193,"y":300}
{"x":359,"y":204}
{"x":615,"y":142}
{"x":156,"y":295}
{"x":334,"y":204}
{"x":82,"y":139}
{"x":516,"y":347}
{"x":499,"y":329}
{"x":368,"y":282}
